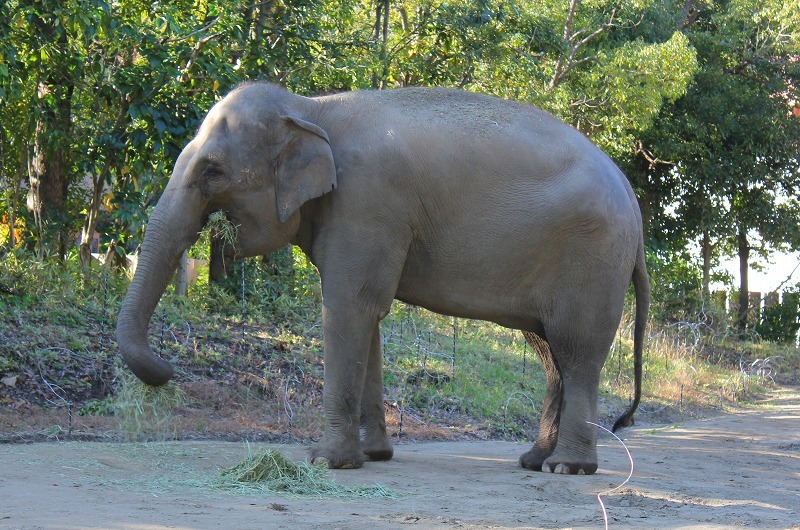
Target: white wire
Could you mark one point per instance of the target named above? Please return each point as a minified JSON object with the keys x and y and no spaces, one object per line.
{"x":630,"y":458}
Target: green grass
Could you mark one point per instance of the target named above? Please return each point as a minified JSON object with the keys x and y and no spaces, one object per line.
{"x":476,"y":376}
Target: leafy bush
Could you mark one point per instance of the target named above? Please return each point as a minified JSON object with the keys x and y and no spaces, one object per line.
{"x":780,"y":323}
{"x":676,"y":284}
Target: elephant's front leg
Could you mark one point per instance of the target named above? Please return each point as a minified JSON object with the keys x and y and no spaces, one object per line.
{"x":375,"y":442}
{"x":348,"y":335}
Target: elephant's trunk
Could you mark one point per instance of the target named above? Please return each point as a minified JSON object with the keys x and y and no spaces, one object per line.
{"x":173,"y":227}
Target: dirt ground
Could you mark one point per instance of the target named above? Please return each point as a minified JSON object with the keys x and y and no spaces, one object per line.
{"x":735,"y":470}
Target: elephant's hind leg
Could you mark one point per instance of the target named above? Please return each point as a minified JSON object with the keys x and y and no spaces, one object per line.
{"x":580,"y":354}
{"x":375,"y":441}
{"x":576,"y":448}
{"x":551,"y":411}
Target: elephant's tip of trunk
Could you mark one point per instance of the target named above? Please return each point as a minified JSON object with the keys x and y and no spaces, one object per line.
{"x":150,"y":369}
{"x":146,"y":365}
{"x":154,"y":377}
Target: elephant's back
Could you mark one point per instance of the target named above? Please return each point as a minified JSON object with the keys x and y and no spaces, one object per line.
{"x":452,"y":142}
{"x":458,"y":111}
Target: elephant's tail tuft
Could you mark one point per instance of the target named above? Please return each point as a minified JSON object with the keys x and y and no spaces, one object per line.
{"x":641,"y":286}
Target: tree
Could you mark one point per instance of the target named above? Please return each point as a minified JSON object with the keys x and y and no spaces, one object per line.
{"x":13,"y":118}
{"x":52,"y":63}
{"x":124,"y":85}
{"x":732,"y":140}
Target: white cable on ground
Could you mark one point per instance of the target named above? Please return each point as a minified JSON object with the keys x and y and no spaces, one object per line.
{"x":630,"y":458}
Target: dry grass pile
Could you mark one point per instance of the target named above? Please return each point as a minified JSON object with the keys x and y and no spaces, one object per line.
{"x":270,"y":471}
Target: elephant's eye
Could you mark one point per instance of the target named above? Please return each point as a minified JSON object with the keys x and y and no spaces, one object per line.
{"x":214,"y":181}
{"x":213,"y":171}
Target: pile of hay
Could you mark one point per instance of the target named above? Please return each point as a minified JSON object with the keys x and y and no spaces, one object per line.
{"x":269,"y":471}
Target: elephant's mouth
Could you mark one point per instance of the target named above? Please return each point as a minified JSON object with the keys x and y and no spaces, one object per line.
{"x":222,"y":227}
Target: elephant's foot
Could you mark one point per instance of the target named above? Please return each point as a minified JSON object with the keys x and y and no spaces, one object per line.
{"x":378,"y":449}
{"x":564,"y":466}
{"x":340,"y":457}
{"x":534,"y":458}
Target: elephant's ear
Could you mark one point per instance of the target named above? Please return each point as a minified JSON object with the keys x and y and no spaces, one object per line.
{"x":305,"y":167}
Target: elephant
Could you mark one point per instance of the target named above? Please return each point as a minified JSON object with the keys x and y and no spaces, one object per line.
{"x":462,"y":203}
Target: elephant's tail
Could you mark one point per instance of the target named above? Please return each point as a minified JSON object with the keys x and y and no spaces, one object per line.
{"x":641,"y":286}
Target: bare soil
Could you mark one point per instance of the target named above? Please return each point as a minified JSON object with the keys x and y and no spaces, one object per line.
{"x":736,"y":470}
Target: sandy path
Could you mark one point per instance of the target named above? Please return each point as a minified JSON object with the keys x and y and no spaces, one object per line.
{"x":737,"y":470}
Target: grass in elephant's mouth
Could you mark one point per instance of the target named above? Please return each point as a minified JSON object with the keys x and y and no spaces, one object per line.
{"x":270,"y":471}
{"x":219,"y":224}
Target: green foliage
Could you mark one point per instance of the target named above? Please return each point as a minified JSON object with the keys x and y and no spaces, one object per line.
{"x":722,"y":161}
{"x":636,"y":79}
{"x":98,"y":407}
{"x":676,"y":287}
{"x":143,"y":75}
{"x":781,"y":322}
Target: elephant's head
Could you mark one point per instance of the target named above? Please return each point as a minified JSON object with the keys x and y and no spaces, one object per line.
{"x":254,"y":157}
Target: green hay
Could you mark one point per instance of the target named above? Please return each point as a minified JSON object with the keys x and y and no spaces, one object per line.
{"x":144,"y":412}
{"x":219,"y":224}
{"x":269,"y":471}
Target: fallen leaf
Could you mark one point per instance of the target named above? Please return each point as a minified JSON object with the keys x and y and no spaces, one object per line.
{"x":9,"y":381}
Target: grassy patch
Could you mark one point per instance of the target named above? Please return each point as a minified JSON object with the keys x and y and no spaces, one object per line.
{"x":691,"y":367}
{"x":57,"y":345}
{"x":443,"y":368}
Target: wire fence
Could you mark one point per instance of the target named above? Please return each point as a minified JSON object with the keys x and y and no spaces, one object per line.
{"x":421,"y":355}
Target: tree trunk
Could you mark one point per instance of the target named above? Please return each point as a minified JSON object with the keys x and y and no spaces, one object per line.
{"x":11,"y":220}
{"x":707,"y":249}
{"x":11,"y":203}
{"x":98,"y":183}
{"x":381,"y":31}
{"x":47,"y":171}
{"x":90,"y":225}
{"x":182,"y":275}
{"x":744,"y":266}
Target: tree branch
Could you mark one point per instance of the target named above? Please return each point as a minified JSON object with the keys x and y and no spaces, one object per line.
{"x":179,"y":38}
{"x":573,"y":6}
{"x":690,"y":14}
{"x":195,"y":54}
{"x":650,"y":157}
{"x":566,"y":70}
{"x":565,"y":66}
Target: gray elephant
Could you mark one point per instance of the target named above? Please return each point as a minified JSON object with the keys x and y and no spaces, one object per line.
{"x":461,"y":203}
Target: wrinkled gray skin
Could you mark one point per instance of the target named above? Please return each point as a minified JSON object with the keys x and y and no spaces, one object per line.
{"x":464,"y":204}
